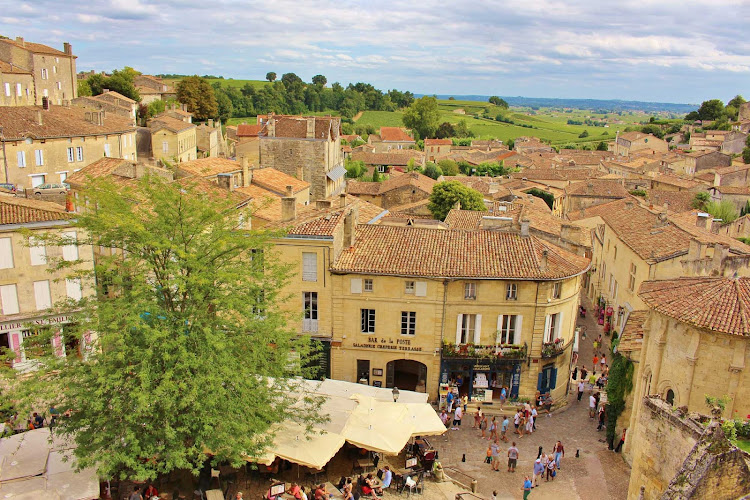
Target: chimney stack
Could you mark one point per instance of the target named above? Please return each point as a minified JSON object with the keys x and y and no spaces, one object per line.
{"x":289,"y":191}
{"x":543,"y":263}
{"x":226,"y":181}
{"x":247,"y":175}
{"x":211,"y":122}
{"x":310,"y":127}
{"x":342,"y":200}
{"x":67,"y":48}
{"x":525,"y":228}
{"x":39,"y":117}
{"x":19,"y":41}
{"x":288,"y":207}
{"x":702,"y":220}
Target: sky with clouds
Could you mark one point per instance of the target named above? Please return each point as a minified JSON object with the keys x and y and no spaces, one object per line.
{"x":667,"y":50}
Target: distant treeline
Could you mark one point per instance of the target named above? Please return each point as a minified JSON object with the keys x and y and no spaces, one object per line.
{"x":602,"y":105}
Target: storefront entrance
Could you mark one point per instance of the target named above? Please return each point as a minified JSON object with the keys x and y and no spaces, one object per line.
{"x":481,"y":380}
{"x":406,"y":374}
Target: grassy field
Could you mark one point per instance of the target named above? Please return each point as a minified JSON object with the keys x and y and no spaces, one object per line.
{"x":745,"y":445}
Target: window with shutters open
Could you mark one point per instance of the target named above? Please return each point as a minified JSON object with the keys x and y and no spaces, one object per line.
{"x":368,"y":320}
{"x":79,"y":153}
{"x":21,"y":158}
{"x":39,"y":156}
{"x":309,"y":266}
{"x":9,"y":299}
{"x":42,"y":295}
{"x":310,"y":304}
{"x":71,"y":155}
{"x":509,"y":329}
{"x":6,"y":253}
{"x":70,"y":251}
{"x":468,"y":329}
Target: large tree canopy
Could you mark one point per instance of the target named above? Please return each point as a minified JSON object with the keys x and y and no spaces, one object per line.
{"x":199,"y":96}
{"x":445,"y":195}
{"x":191,"y":353}
{"x":423,"y":117}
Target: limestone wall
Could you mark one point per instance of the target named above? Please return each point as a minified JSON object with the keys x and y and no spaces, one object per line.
{"x":660,"y":442}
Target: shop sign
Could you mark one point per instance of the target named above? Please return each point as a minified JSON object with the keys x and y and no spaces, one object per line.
{"x":388,"y":344}
{"x":481,"y":368}
{"x":17,"y":325}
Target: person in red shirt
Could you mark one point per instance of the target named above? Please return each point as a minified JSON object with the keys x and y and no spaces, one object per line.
{"x":150,"y":492}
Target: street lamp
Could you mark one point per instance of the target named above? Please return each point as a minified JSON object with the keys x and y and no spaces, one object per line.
{"x":395,"y":394}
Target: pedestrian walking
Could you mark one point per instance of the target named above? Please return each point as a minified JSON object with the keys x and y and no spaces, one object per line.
{"x":592,"y":406}
{"x":601,"y":417}
{"x":580,"y":389}
{"x":551,"y":472}
{"x":504,"y":429}
{"x":457,"y":416}
{"x":603,"y":361}
{"x":530,"y":425}
{"x":584,"y":373}
{"x":477,"y":417}
{"x":526,"y":487}
{"x":538,"y":471}
{"x":513,"y":458}
{"x":622,"y":441}
{"x":488,"y":459}
{"x":521,"y":424}
{"x":575,"y":373}
{"x":483,"y":426}
{"x":534,"y":413}
{"x":465,"y":401}
{"x":493,"y":429}
{"x":449,"y":401}
{"x":559,"y":451}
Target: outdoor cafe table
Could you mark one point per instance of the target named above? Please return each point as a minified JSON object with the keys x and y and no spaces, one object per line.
{"x":333,"y":490}
{"x":364,"y":463}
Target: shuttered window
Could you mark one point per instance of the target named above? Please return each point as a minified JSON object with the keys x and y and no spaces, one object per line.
{"x":73,"y":288}
{"x":38,"y":252}
{"x":42,"y":295}
{"x":309,"y":266}
{"x":421,"y":289}
{"x":356,"y":285}
{"x":9,"y":299}
{"x":21,"y":158}
{"x":39,"y":155}
{"x":6,"y":253}
{"x":70,"y":251}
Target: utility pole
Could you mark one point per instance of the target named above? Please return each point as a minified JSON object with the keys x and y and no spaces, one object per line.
{"x":5,"y":158}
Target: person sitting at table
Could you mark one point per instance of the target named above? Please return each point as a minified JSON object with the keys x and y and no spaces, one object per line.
{"x":295,"y":491}
{"x":321,"y":493}
{"x":369,"y":487}
{"x":387,"y":477}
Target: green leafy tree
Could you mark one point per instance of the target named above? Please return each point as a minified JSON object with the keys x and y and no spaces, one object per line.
{"x":462,"y":129}
{"x":84,"y":89}
{"x":619,"y":385}
{"x":548,"y":197}
{"x":724,"y":210}
{"x":271,"y":76}
{"x":199,"y":97}
{"x":445,"y":195}
{"x":377,"y":176}
{"x":602,"y":146}
{"x":445,"y":130}
{"x":423,"y":116}
{"x":711,"y":110}
{"x":746,"y":209}
{"x":498,"y":102}
{"x":746,"y":151}
{"x":191,"y":352}
{"x":449,"y":167}
{"x":225,"y":107}
{"x":700,"y":200}
{"x":432,"y":171}
{"x":583,"y":134}
{"x":320,"y":80}
{"x":355,"y":169}
{"x":511,"y":144}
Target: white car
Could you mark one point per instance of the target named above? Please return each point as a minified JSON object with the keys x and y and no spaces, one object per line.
{"x":43,"y":189}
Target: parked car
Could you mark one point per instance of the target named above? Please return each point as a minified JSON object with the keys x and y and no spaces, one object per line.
{"x":48,"y":188}
{"x":7,"y":186}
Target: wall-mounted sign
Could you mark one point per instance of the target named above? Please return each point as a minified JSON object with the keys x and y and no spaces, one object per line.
{"x":397,"y":344}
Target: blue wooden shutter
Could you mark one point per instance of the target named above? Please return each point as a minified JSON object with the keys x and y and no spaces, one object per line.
{"x":553,"y":378}
{"x":539,"y":382}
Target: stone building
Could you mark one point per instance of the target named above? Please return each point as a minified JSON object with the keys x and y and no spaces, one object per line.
{"x":111,"y":102}
{"x":628,"y":143}
{"x":152,"y":88}
{"x":173,"y":140}
{"x":29,"y":283}
{"x":391,"y":139}
{"x":210,"y":140}
{"x":632,"y":244}
{"x":53,"y":72}
{"x":582,"y":195}
{"x":435,"y":149}
{"x":698,"y":161}
{"x":305,"y":147}
{"x":49,"y":144}
{"x":500,"y":307}
{"x":17,"y":86}
{"x":396,"y":190}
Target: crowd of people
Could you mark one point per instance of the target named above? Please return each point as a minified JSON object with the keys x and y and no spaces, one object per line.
{"x":15,"y":423}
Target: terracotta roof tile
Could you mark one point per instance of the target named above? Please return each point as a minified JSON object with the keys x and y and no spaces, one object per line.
{"x":391,"y":159}
{"x":326,"y":127}
{"x":14,"y":210}
{"x":210,"y":167}
{"x":245,"y":130}
{"x":276,"y":181}
{"x":631,"y":338}
{"x":169,"y":123}
{"x":36,"y":48}
{"x":395,"y":134}
{"x":415,"y":179}
{"x":19,"y":122}
{"x":438,"y":142}
{"x":597,"y":188}
{"x":717,"y":304}
{"x":12,"y":68}
{"x":103,"y":167}
{"x":412,"y":251}
{"x":677,"y":201}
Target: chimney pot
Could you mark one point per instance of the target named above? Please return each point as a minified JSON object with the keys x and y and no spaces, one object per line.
{"x":543,"y":263}
{"x":289,"y":191}
{"x":342,"y":200}
{"x":39,"y":117}
{"x":702,"y":220}
{"x":67,"y":48}
{"x":288,"y":209}
{"x":524,"y":228}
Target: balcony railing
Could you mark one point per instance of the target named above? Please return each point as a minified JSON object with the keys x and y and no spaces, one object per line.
{"x":554,"y":348}
{"x":310,"y":325}
{"x":488,"y":352}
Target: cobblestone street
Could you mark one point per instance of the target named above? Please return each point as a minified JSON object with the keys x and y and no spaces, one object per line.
{"x":597,"y":474}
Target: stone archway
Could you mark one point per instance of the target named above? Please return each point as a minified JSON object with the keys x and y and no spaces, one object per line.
{"x":406,"y":374}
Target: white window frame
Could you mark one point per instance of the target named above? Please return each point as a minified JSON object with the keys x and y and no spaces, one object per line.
{"x":39,"y":157}
{"x":468,"y":329}
{"x":106,"y":150}
{"x":552,"y":327}
{"x":9,"y":299}
{"x":408,"y":323}
{"x":310,"y":311}
{"x":420,"y":289}
{"x":44,"y":73}
{"x":511,"y":291}
{"x":19,"y":90}
{"x":71,"y":155}
{"x":556,"y":290}
{"x":37,"y":176}
{"x":509,"y":328}
{"x":470,"y":291}
{"x":79,"y":153}
{"x":367,"y":320}
{"x":70,"y":252}
{"x":368,"y":285}
{"x":356,"y":285}
{"x":164,"y":146}
{"x":7,"y":89}
{"x":21,"y":159}
{"x":409,"y":287}
{"x":633,"y":271}
{"x":309,"y":266}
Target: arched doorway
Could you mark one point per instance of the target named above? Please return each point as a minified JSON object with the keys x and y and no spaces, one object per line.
{"x":406,"y":374}
{"x":670,"y":397}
